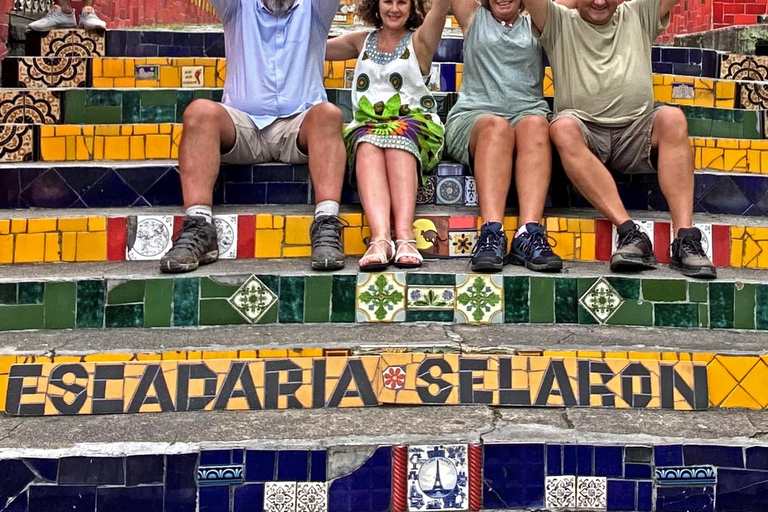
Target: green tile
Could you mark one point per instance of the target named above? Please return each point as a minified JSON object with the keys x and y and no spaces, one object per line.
{"x":128,"y":315}
{"x":90,"y":303}
{"x":633,"y":312}
{"x":14,"y":318}
{"x":664,"y":290}
{"x":158,"y":97}
{"x":102,"y":98}
{"x":419,"y":279}
{"x":217,"y":94}
{"x":585,"y":317}
{"x":291,"y":302}
{"x":744,"y":306}
{"x":698,"y":292}
{"x":273,"y":283}
{"x":676,"y":315}
{"x":132,"y":107}
{"x":429,"y":316}
{"x":542,"y":300}
{"x":158,"y":114}
{"x":210,"y":289}
{"x":31,"y":293}
{"x":343,"y":299}
{"x":516,"y":305}
{"x":566,"y":301}
{"x":60,"y":305}
{"x":750,"y":124}
{"x":627,"y":287}
{"x":219,"y":312}
{"x":721,"y":305}
{"x":699,"y":127}
{"x":7,"y":293}
{"x":74,"y":106}
{"x":704,"y":316}
{"x":761,"y":307}
{"x":128,"y":292}
{"x":158,"y":304}
{"x":317,"y":298}
{"x":103,"y":115}
{"x":186,"y":298}
{"x":183,"y":99}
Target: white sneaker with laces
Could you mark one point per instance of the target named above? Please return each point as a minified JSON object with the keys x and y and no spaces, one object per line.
{"x":89,"y":20}
{"x":56,"y":18}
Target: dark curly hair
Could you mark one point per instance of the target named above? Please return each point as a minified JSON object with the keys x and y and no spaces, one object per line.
{"x":368,"y":11}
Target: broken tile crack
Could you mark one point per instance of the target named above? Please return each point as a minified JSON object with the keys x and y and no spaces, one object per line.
{"x":11,"y":431}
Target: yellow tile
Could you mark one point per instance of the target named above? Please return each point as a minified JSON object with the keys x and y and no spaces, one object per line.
{"x":297,"y":252}
{"x":297,"y":229}
{"x":269,"y":243}
{"x":98,"y":148}
{"x":83,"y":148}
{"x":53,"y":149}
{"x":166,"y":127}
{"x":669,"y":356}
{"x":159,"y":61}
{"x":564,"y":245}
{"x":573,"y":225}
{"x":727,"y":143}
{"x":353,"y":219}
{"x":738,"y":366}
{"x":265,"y":353}
{"x":186,"y":62}
{"x":704,"y":98}
{"x":144,"y":129}
{"x":169,"y":77}
{"x":73,"y":224}
{"x":740,"y":398}
{"x":29,"y":248}
{"x":209,"y":77}
{"x":103,"y":83}
{"x":278,"y":221}
{"x":137,"y":148}
{"x":158,"y":146}
{"x":735,"y":160}
{"x":725,"y":89}
{"x":263,"y":221}
{"x":18,"y":225}
{"x":96,"y":68}
{"x":6,"y":249}
{"x":107,"y":129}
{"x":663,"y":93}
{"x":721,"y":383}
{"x":71,"y":151}
{"x":68,"y":129}
{"x":129,"y":66}
{"x":97,"y":223}
{"x":587,"y":247}
{"x":41,"y":225}
{"x":113,"y":67}
{"x":52,"y":247}
{"x":754,"y":384}
{"x":92,"y":246}
{"x":5,"y":226}
{"x":552,"y":224}
{"x":712,"y":158}
{"x":68,"y":246}
{"x":353,"y":241}
{"x":117,"y":148}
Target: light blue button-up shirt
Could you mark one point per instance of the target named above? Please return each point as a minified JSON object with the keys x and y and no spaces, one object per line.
{"x":274,"y":63}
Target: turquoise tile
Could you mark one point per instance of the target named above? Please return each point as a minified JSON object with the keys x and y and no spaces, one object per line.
{"x":132,"y":106}
{"x":419,"y":279}
{"x":103,"y":98}
{"x":158,"y":114}
{"x":291,"y":301}
{"x":761,"y":307}
{"x":60,"y":305}
{"x":721,"y":300}
{"x":90,"y":303}
{"x":627,"y":287}
{"x":516,"y":303}
{"x":273,"y":283}
{"x":676,"y":315}
{"x":8,"y":293}
{"x":542,"y":300}
{"x":585,"y":317}
{"x":31,"y":293}
{"x":343,"y":298}
{"x":429,"y":316}
{"x":126,"y":315}
{"x":566,"y":301}
{"x":744,"y":306}
{"x":186,"y":298}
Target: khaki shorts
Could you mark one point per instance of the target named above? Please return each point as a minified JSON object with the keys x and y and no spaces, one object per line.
{"x":277,"y":142}
{"x":624,"y":149}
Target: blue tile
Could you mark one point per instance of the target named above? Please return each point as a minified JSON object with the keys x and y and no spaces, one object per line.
{"x":686,"y":69}
{"x":49,"y":191}
{"x":685,"y":499}
{"x":214,"y":499}
{"x":91,"y":470}
{"x":293,"y":465}
{"x":130,"y":499}
{"x":710,"y":61}
{"x":287,"y":193}
{"x":248,"y":498}
{"x":9,"y":189}
{"x":656,"y":54}
{"x":15,"y":477}
{"x":144,"y":469}
{"x":740,"y":490}
{"x":245,"y":193}
{"x":237,"y":456}
{"x":644,"y":496}
{"x":554,"y":460}
{"x":166,"y":191}
{"x":19,"y":504}
{"x":722,"y":456}
{"x":662,"y":67}
{"x":140,"y":179}
{"x":569,"y":459}
{"x":260,"y":465}
{"x":367,"y":489}
{"x":513,"y":475}
{"x":158,"y":37}
{"x":608,"y":460}
{"x":318,"y":465}
{"x":448,"y":77}
{"x":214,"y":457}
{"x":668,"y":455}
{"x":449,"y":50}
{"x":757,"y":457}
{"x":46,"y":468}
{"x":674,"y":55}
{"x":268,"y":172}
{"x":180,"y":483}
{"x":109,"y":191}
{"x":621,"y":494}
{"x":60,"y":498}
{"x":637,"y":471}
{"x":694,"y":56}
{"x":577,"y":460}
{"x":80,"y":179}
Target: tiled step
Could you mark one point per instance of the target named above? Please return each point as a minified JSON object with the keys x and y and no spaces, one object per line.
{"x":136,"y":295}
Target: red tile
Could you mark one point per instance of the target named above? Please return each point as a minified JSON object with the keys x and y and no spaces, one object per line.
{"x":744,"y":19}
{"x":116,"y":238}
{"x":246,"y":236}
{"x":661,"y":241}
{"x":464,"y":222}
{"x":721,"y":245}
{"x":603,"y":240}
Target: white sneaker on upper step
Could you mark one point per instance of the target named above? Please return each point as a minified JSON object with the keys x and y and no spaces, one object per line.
{"x":89,"y":20}
{"x":56,"y":18}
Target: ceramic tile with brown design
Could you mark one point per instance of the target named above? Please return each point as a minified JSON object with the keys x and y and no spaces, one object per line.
{"x":47,"y":72}
{"x":16,"y":142}
{"x":432,"y":236}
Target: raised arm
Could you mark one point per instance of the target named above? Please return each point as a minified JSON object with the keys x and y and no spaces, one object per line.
{"x":538,"y":11}
{"x":464,"y":10}
{"x":428,"y":35}
{"x":665,"y":6}
{"x":571,"y":4}
{"x":345,"y":47}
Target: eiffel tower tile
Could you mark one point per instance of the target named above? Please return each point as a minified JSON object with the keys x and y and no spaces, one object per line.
{"x":438,"y":477}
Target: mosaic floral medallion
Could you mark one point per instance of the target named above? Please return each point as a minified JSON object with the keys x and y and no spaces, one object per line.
{"x":152,"y":239}
{"x":431,"y":297}
{"x":311,"y":497}
{"x":46,"y":72}
{"x":394,"y":377}
{"x":438,"y":477}
{"x":219,"y":475}
{"x":253,"y":299}
{"x":470,"y":191}
{"x":280,"y":497}
{"x":560,"y":491}
{"x":461,"y":243}
{"x":42,"y":107}
{"x":753,"y":96}
{"x":16,"y":142}
{"x":743,"y":67}
{"x":226,"y":231}
{"x":72,"y":43}
{"x":425,"y":194}
{"x":479,"y":299}
{"x":592,"y":492}
{"x":449,"y":190}
{"x":381,"y":297}
{"x":601,"y":300}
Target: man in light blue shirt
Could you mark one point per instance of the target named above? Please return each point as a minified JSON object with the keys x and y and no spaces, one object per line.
{"x":274,"y":108}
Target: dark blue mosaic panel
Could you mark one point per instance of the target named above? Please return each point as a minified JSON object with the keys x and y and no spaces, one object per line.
{"x":513,"y":475}
{"x":144,"y":43}
{"x":367,"y":489}
{"x":685,"y":61}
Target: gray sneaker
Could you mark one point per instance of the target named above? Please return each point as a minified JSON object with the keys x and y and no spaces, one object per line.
{"x":689,"y":257}
{"x":196,"y":244}
{"x":89,"y":20}
{"x":54,"y":19}
{"x":327,"y":251}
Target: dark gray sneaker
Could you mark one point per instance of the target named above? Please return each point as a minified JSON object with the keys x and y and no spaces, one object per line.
{"x":196,"y":244}
{"x":688,"y":255}
{"x":634,"y":251}
{"x":327,"y":251}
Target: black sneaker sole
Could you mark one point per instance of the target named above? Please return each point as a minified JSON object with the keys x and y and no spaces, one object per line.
{"x":550,"y":266}
{"x":174,"y":267}
{"x":328,"y":265}
{"x":485,"y":265}
{"x":700,"y":272}
{"x":621,"y":263}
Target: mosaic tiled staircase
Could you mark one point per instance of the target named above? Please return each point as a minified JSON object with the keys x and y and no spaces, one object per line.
{"x":583,"y":390}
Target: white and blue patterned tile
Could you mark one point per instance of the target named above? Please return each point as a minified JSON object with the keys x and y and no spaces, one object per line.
{"x":685,"y":476}
{"x":438,"y":478}
{"x":449,"y":190}
{"x":311,"y":497}
{"x":380,"y":297}
{"x":253,"y":299}
{"x":560,"y":492}
{"x":592,"y":492}
{"x":226,"y":231}
{"x":219,"y":475}
{"x":280,"y":497}
{"x":479,"y":299}
{"x":470,"y":191}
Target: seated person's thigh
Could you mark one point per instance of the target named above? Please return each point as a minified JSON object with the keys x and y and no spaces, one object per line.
{"x":250,"y":147}
{"x":632,"y":147}
{"x":597,"y":138}
{"x":282,"y":139}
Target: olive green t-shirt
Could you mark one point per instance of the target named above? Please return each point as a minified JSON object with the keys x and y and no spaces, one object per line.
{"x":603,"y":73}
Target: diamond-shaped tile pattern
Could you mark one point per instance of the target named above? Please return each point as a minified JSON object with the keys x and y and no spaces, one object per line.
{"x":461,"y":243}
{"x":381,"y":297}
{"x":253,"y":299}
{"x":560,"y":491}
{"x":311,"y":497}
{"x":601,"y":300}
{"x":438,"y":478}
{"x":280,"y":497}
{"x":479,"y":299}
{"x":591,"y":492}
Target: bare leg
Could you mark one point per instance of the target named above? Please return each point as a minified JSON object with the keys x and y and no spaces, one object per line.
{"x":208,"y":132}
{"x":320,"y":138}
{"x":87,"y":3}
{"x":586,"y":172}
{"x":491,"y":145}
{"x":66,"y":5}
{"x":403,"y":176}
{"x":371,"y":169}
{"x":533,"y":167}
{"x":670,"y":138}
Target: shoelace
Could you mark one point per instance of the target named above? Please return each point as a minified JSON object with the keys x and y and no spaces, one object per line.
{"x":326,"y":231}
{"x":488,"y":241}
{"x":629,"y":236}
{"x":190,"y":236}
{"x":692,"y":246}
{"x":539,"y":243}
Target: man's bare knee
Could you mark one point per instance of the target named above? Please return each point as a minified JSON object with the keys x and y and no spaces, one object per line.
{"x":325,"y":115}
{"x":670,"y":123}
{"x":566,"y":134}
{"x":202,"y":114}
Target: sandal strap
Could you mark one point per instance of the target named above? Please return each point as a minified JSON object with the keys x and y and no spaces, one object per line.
{"x":413,"y":253}
{"x":375,"y":250}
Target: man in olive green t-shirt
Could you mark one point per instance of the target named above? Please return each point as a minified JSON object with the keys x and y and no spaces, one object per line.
{"x":600,"y":53}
